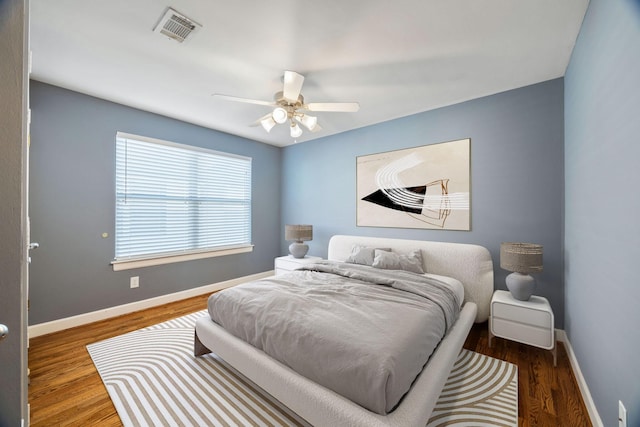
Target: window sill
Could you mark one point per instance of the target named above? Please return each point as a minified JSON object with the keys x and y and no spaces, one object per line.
{"x":129,"y":264}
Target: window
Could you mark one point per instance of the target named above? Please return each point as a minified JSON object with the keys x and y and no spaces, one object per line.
{"x":175,"y":200}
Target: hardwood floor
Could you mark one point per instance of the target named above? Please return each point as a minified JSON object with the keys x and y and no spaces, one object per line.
{"x":547,"y":395}
{"x":66,"y":390}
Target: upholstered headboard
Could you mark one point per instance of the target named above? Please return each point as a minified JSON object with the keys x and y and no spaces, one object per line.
{"x":470,"y":264}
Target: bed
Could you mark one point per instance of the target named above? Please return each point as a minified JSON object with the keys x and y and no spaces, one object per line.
{"x":471,"y":265}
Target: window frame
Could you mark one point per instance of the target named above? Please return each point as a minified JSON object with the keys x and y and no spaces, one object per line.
{"x":130,"y":262}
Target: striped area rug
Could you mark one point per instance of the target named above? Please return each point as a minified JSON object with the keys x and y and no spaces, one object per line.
{"x":480,"y":391}
{"x":154,"y":380}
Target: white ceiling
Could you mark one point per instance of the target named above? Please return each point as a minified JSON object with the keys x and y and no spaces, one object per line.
{"x":395,"y":58}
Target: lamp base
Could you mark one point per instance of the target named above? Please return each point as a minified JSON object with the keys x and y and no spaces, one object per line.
{"x":521,"y":285}
{"x":298,"y":249}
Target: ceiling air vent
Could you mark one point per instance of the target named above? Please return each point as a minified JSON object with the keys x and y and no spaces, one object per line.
{"x":176,"y":26}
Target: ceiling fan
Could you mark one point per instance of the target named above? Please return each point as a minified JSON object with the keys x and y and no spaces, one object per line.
{"x":289,"y":107}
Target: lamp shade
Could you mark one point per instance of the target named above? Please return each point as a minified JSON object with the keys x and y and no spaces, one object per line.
{"x":310,"y":122}
{"x":521,"y":257}
{"x":295,"y":130}
{"x":268,"y":123}
{"x":279,"y":115}
{"x":298,"y":233}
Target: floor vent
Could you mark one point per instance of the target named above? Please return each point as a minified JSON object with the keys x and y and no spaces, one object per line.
{"x":176,"y":26}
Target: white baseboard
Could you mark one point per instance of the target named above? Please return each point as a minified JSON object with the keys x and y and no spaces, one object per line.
{"x":94,"y":316}
{"x":582,"y":384}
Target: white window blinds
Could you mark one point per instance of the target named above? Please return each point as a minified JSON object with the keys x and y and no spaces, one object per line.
{"x":176,"y":199}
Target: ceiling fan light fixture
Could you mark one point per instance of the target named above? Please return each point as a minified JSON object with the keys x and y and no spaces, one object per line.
{"x":309,"y":122}
{"x":295,"y":130}
{"x":268,"y":123}
{"x":288,"y":106}
{"x":279,"y":115}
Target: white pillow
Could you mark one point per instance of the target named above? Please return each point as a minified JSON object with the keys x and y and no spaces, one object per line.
{"x":394,"y":261}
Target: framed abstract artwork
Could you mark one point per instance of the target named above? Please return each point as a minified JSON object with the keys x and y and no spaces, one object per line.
{"x":424,"y":187}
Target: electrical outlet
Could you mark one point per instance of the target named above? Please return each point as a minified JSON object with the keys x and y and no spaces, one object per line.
{"x":134,"y":282}
{"x":622,"y":415}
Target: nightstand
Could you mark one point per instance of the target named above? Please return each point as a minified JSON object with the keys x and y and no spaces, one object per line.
{"x":285,"y":264}
{"x":528,"y":322}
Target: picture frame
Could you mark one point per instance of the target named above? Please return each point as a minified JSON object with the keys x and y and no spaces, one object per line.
{"x":425,"y":187}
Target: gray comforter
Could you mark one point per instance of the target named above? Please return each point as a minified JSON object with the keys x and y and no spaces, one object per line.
{"x":364,"y":333}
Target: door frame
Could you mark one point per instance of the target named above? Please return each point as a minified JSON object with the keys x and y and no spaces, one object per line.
{"x":14,"y":47}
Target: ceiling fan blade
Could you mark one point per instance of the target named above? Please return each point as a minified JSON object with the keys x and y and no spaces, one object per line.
{"x":342,"y":107}
{"x":245,"y":100}
{"x":292,"y":86}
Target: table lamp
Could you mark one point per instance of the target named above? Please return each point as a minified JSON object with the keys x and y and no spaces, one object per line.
{"x":521,"y":259}
{"x":299,"y":234}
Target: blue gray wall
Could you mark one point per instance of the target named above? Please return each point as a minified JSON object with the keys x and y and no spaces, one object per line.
{"x":602,"y":148}
{"x":516,"y":177}
{"x":72,"y":204}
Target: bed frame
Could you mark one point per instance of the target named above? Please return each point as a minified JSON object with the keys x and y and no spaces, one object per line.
{"x":471,"y":264}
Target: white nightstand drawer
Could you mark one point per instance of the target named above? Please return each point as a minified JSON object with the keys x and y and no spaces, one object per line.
{"x":523,"y":333}
{"x":530,"y":317}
